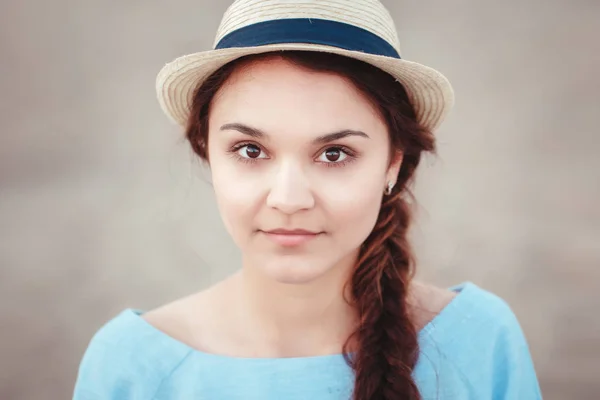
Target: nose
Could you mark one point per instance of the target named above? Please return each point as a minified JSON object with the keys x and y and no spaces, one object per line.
{"x":290,"y":190}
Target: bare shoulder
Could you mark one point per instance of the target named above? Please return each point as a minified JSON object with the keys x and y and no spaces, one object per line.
{"x":200,"y":319}
{"x":427,"y":301}
{"x":183,"y":319}
{"x":172,"y":319}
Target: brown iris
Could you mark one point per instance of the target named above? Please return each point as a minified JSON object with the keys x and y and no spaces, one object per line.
{"x":252,"y":151}
{"x":333,"y":154}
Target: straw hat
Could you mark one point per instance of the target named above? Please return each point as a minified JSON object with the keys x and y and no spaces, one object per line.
{"x":360,"y":29}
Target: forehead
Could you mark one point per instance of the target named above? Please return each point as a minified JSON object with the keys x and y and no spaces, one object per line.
{"x":280,"y":97}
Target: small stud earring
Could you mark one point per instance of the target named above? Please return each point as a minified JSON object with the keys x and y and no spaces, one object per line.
{"x":389,"y":188}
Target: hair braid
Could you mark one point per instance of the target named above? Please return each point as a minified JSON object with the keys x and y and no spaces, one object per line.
{"x":386,"y":338}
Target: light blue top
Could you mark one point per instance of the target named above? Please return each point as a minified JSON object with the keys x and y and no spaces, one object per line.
{"x":474,"y":349}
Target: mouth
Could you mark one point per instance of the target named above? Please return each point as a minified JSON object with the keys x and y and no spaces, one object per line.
{"x":290,"y":238}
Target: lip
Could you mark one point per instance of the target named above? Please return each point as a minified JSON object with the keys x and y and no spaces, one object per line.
{"x":290,"y":237}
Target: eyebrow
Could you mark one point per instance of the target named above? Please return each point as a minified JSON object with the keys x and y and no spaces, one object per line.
{"x":323,"y":139}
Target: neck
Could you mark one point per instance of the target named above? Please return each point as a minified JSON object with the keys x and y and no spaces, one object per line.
{"x":292,"y":320}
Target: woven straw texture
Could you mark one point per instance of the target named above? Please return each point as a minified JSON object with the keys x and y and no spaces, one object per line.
{"x":370,"y":15}
{"x":429,"y":91}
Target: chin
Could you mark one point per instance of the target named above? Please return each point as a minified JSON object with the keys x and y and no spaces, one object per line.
{"x":293,"y":270}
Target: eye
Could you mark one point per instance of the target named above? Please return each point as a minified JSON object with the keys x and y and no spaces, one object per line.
{"x":251,"y":151}
{"x":333,"y":155}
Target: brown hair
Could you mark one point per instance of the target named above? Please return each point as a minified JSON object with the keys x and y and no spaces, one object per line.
{"x":384,"y":345}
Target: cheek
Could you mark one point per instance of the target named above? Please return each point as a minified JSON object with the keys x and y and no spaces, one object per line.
{"x":359,"y":211}
{"x":353,"y":206}
{"x":238,"y":198}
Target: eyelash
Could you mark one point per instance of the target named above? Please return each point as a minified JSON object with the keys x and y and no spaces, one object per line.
{"x":234,"y":152}
{"x":351,"y":155}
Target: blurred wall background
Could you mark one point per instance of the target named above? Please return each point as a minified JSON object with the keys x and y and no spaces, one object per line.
{"x":102,"y":206}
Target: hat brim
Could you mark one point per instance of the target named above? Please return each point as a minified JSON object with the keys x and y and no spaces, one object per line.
{"x":428,"y":90}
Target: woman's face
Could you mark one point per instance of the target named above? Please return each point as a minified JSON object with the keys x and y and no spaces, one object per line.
{"x":300,"y":161}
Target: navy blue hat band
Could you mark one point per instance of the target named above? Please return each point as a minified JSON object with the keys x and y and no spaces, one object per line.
{"x":311,"y":31}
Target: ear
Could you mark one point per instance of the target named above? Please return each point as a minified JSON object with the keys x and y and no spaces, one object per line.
{"x":394,"y":168}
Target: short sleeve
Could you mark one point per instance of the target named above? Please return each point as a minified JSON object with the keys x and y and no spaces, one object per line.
{"x":126,"y":360}
{"x":477,"y":350}
{"x":109,"y":371}
{"x":515,"y":376}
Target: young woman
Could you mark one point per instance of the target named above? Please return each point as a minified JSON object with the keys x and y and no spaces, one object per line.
{"x":313,"y":127}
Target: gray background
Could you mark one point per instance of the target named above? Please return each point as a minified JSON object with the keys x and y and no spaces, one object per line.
{"x":102,"y":206}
